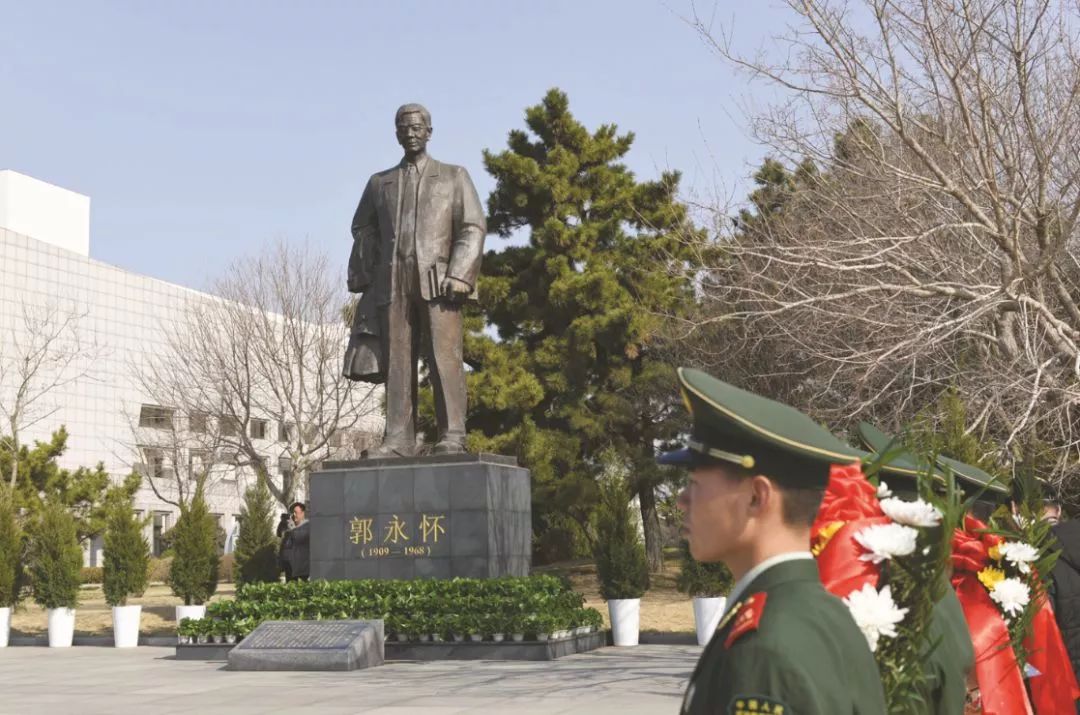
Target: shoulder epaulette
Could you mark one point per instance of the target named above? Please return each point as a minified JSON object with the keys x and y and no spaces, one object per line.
{"x":750,"y":610}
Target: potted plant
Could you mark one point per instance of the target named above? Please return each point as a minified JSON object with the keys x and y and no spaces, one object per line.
{"x":221,"y":631}
{"x":516,"y":626}
{"x":55,"y":566}
{"x":707,"y":584}
{"x":11,"y":562}
{"x":185,"y":632}
{"x":202,"y":628}
{"x":230,"y":631}
{"x":194,"y":569}
{"x":256,"y":554}
{"x":496,"y":627}
{"x":127,"y":570}
{"x":474,"y":628}
{"x":620,"y":562}
{"x":454,"y":627}
{"x":544,"y":626}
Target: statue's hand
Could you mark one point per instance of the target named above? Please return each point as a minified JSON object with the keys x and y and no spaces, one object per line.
{"x":455,"y":289}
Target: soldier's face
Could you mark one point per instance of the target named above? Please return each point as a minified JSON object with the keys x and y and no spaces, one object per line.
{"x":413,"y":133}
{"x":716,"y":505}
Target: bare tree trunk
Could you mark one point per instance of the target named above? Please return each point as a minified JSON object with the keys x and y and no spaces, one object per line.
{"x":650,"y":524}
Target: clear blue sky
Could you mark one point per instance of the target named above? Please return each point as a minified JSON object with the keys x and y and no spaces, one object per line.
{"x":203,"y":129}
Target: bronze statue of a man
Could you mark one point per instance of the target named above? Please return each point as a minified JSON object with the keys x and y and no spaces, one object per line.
{"x":418,"y":237}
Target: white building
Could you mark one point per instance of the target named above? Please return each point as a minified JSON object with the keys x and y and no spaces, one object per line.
{"x":45,"y":265}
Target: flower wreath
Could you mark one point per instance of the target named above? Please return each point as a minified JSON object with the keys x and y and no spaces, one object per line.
{"x":877,"y":553}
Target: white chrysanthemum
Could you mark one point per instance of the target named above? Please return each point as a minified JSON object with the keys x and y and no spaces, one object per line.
{"x":1019,"y":554}
{"x":883,"y":491}
{"x":884,"y":541}
{"x":911,"y":513}
{"x":1012,"y":595}
{"x":875,"y":613}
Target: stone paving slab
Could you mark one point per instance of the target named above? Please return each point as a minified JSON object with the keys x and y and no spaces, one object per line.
{"x":104,"y":681}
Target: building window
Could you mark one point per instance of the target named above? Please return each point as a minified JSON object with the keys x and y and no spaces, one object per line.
{"x":199,"y":423}
{"x":153,"y":462}
{"x":155,"y":417}
{"x":285,"y":431}
{"x":161,"y":524}
{"x":230,"y":426}
{"x":259,"y":428}
{"x":335,"y":439}
{"x":199,"y":461}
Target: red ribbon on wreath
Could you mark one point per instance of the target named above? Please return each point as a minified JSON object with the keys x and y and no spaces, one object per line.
{"x":1055,"y":691}
{"x":850,"y":504}
{"x":996,"y":670}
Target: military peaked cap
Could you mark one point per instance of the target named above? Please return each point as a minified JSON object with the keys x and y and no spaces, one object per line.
{"x":755,"y":433}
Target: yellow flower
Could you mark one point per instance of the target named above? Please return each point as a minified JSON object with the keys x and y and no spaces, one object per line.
{"x":991,"y":577}
{"x":995,"y":552}
{"x":825,"y":536}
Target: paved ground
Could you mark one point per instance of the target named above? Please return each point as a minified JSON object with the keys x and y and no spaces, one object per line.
{"x":105,"y":681}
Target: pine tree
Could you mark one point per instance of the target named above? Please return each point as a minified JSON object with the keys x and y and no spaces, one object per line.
{"x":82,"y":491}
{"x":55,"y":558}
{"x":11,"y":551}
{"x":194,"y":570}
{"x":578,"y":367}
{"x":256,"y":546}
{"x":127,"y":554}
{"x":620,"y":558}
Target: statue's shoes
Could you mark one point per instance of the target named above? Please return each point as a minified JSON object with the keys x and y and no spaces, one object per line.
{"x":449,"y":446}
{"x":387,"y":450}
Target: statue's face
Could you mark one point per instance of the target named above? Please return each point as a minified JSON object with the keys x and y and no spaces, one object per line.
{"x":413,"y":133}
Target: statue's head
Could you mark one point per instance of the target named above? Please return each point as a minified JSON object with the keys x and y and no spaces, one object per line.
{"x":413,"y":124}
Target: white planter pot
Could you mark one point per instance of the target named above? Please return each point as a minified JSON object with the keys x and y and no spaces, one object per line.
{"x":61,"y":627}
{"x":706,"y":616}
{"x":625,"y":619}
{"x":193,"y":612}
{"x":125,"y":625}
{"x":5,"y":626}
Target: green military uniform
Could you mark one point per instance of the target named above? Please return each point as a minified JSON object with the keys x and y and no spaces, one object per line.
{"x":805,"y":657}
{"x":950,"y":662}
{"x":786,"y":646}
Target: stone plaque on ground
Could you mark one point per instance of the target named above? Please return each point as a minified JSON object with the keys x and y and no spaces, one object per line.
{"x":310,"y":645}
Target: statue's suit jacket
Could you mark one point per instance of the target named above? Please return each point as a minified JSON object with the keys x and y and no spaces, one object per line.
{"x":450,"y":229}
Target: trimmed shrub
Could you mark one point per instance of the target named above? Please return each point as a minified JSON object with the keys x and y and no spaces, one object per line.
{"x":701,"y":579}
{"x":55,"y":558}
{"x":620,"y":556}
{"x":91,"y":575}
{"x":256,"y":545}
{"x":12,"y":547}
{"x":127,"y":555}
{"x":194,"y":571}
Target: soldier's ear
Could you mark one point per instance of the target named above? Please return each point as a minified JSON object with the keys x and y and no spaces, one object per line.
{"x":762,"y":493}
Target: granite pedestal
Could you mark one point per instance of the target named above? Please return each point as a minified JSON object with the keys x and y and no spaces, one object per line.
{"x":449,"y":516}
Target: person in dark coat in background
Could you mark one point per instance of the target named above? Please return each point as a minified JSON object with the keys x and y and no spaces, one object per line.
{"x":1065,"y":588}
{"x":295,"y":546}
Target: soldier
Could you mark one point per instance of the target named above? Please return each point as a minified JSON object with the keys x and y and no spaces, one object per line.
{"x":784,"y":645}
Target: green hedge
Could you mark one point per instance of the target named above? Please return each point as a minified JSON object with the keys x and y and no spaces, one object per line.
{"x":442,"y":608}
